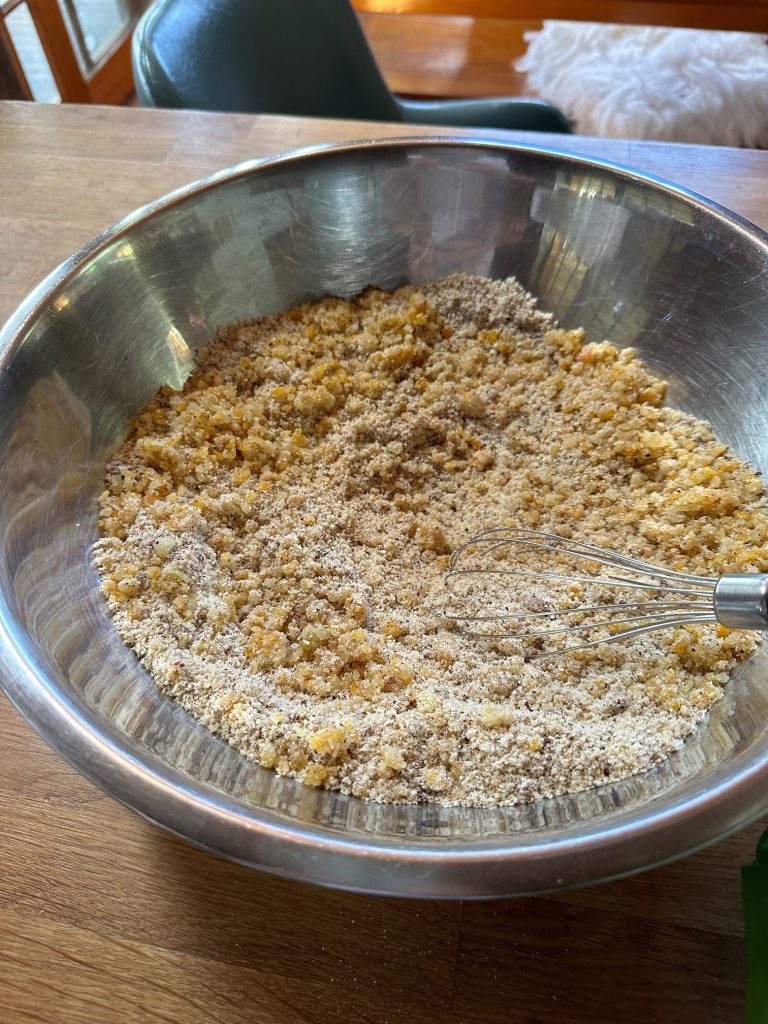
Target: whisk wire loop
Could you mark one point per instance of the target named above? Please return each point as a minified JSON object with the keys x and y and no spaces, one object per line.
{"x":503,"y":536}
{"x":674,"y":598}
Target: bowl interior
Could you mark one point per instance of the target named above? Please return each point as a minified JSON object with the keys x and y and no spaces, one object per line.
{"x":626,"y":259}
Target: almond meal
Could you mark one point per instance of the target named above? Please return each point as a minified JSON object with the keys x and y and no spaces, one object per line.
{"x":274,"y":539}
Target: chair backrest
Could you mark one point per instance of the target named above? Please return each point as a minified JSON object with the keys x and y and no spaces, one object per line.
{"x":305,"y":57}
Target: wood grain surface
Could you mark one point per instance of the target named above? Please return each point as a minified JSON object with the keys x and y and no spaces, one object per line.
{"x":431,"y":56}
{"x":106,"y":919}
{"x":741,"y":15}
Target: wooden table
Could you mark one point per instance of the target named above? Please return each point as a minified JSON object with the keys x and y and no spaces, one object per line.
{"x":455,"y":48}
{"x":106,"y":919}
{"x":427,"y":55}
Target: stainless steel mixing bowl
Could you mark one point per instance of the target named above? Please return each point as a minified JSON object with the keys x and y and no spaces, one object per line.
{"x":629,"y":258}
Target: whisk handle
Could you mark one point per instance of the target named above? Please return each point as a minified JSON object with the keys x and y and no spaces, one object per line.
{"x":741,"y":600}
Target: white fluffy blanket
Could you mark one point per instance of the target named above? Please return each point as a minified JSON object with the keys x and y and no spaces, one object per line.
{"x":686,"y":85}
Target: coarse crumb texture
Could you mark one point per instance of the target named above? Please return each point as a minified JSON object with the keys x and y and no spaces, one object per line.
{"x":275,"y":536}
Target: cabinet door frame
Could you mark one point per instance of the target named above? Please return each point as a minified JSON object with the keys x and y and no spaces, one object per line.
{"x":109,"y":81}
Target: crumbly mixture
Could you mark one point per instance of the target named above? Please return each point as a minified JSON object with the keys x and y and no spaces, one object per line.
{"x":275,"y":536}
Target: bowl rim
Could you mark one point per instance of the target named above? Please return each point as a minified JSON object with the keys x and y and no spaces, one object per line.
{"x":628,"y":842}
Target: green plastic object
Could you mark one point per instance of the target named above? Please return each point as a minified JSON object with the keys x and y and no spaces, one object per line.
{"x":304,"y":57}
{"x":754,"y":886}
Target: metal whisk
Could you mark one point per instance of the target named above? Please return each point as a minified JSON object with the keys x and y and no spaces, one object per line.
{"x":658,"y":598}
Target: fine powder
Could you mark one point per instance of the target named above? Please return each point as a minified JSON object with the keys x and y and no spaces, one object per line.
{"x":275,"y":538}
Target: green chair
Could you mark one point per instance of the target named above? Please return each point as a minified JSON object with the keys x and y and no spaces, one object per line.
{"x":306,"y":57}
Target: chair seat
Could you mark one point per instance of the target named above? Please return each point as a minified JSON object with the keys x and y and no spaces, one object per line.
{"x":303,"y":57}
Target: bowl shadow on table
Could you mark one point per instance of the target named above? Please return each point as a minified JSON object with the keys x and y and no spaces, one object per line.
{"x":665,"y":946}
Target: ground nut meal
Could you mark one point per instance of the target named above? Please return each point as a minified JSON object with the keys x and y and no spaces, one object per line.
{"x":275,"y":536}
